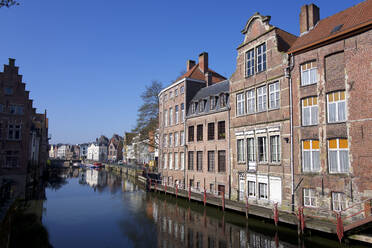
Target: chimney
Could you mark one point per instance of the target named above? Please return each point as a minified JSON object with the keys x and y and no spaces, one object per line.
{"x":11,"y":62}
{"x":309,"y":17}
{"x":208,"y":78}
{"x":203,"y":62}
{"x":189,"y":64}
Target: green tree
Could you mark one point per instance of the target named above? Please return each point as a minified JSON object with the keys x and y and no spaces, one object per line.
{"x":148,"y":112}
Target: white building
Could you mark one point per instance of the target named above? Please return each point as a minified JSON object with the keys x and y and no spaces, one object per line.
{"x":53,"y":151}
{"x":96,"y":152}
{"x":62,"y":150}
{"x":84,"y":150}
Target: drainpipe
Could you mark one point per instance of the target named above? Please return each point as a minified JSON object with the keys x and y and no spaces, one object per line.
{"x":288,"y":75}
{"x":228,"y":147}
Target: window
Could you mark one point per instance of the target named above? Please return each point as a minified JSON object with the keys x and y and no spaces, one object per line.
{"x":182,"y":160}
{"x":199,"y":133}
{"x":338,"y":155}
{"x":249,"y":63}
{"x":212,"y":102}
{"x":221,"y":161}
{"x":177,"y":113}
{"x":310,"y":111}
{"x":170,"y":116}
{"x":176,"y":92}
{"x":251,"y":188}
{"x":261,"y":57}
{"x":336,"y":106}
{"x":8,"y":91}
{"x":170,"y":140}
{"x":193,"y":108}
{"x":182,"y":138}
{"x":199,"y":161}
{"x":310,"y":156}
{"x":309,"y":73}
{"x":211,"y":131}
{"x":191,"y":133}
{"x":250,"y":150}
{"x":165,"y":160}
{"x":11,"y":159}
{"x":240,"y":153}
{"x":14,"y":131}
{"x":191,"y":161}
{"x":1,"y":108}
{"x":261,"y":99}
{"x":240,"y":104}
{"x":309,"y":198}
{"x":182,"y":89}
{"x":176,"y":139}
{"x":165,"y":140}
{"x":274,"y":95}
{"x":338,"y":201}
{"x":182,"y":112}
{"x":221,"y":130}
{"x":165,"y":118}
{"x":13,"y":109}
{"x":274,"y":149}
{"x":211,"y":161}
{"x":165,"y":98}
{"x":262,"y":190}
{"x":251,"y":101}
{"x":170,"y":94}
{"x":170,"y":161}
{"x":222,"y":100}
{"x":262,"y":149}
{"x":201,"y":106}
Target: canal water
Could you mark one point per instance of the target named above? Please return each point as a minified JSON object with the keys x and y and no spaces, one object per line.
{"x":90,"y":208}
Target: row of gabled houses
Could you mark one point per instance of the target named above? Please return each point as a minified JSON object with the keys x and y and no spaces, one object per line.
{"x":103,"y":149}
{"x":291,"y":126}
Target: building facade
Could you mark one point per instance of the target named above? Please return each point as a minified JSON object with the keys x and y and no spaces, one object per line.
{"x":207,"y":128}
{"x":173,"y":101}
{"x":260,"y":118}
{"x":115,"y":148}
{"x":330,"y":71}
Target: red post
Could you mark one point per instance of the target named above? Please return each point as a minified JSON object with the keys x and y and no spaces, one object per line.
{"x":205,"y":197}
{"x":176,"y":190}
{"x":223,"y":201}
{"x":301,"y":219}
{"x":340,"y":227}
{"x":276,"y":214}
{"x":189,"y":192}
{"x":165,"y":188}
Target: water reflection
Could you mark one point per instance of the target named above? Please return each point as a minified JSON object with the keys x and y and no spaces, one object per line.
{"x":103,"y":209}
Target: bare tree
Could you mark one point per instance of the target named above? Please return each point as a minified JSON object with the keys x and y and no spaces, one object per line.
{"x":8,"y":3}
{"x":148,"y":113}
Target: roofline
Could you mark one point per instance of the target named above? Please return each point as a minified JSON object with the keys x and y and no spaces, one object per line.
{"x":341,"y":35}
{"x":257,"y":37}
{"x":178,"y":82}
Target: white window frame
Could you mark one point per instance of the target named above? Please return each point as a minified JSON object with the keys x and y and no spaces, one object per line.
{"x":311,"y":151}
{"x":266,"y":193}
{"x":176,"y":139}
{"x":170,"y":140}
{"x":176,"y":160}
{"x":274,"y":95}
{"x":264,"y":149}
{"x":170,"y":158}
{"x":240,"y":104}
{"x":182,"y":89}
{"x":165,"y":160}
{"x":251,"y":190}
{"x":306,"y":78}
{"x":338,"y":201}
{"x":176,"y":109}
{"x":277,"y":158}
{"x":165,"y":118}
{"x":309,"y":197}
{"x":182,"y":160}
{"x":251,"y":101}
{"x":165,"y":140}
{"x":262,"y":98}
{"x":182,"y":112}
{"x":240,"y":150}
{"x":249,"y":63}
{"x":337,"y":103}
{"x":261,"y":53}
{"x":170,"y":116}
{"x":338,"y":150}
{"x":311,"y":109}
{"x":182,"y":138}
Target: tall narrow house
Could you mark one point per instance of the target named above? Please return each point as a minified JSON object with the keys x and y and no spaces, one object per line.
{"x":172,"y":112}
{"x":332,"y":110}
{"x":260,"y":117}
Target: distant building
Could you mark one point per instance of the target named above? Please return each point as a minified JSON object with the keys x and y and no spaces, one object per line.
{"x":115,"y":148}
{"x":83,"y":150}
{"x":97,"y":152}
{"x":53,"y":151}
{"x":62,"y":151}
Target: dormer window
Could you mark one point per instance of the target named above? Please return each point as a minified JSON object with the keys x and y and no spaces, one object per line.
{"x":222,"y":100}
{"x":193,"y":108}
{"x":201,"y":106}
{"x":212,"y":103}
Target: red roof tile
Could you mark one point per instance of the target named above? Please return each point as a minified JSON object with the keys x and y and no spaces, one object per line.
{"x":352,"y":18}
{"x":196,"y":73}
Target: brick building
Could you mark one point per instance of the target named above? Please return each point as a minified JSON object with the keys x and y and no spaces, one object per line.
{"x":332,"y":111}
{"x":207,"y":125}
{"x":172,"y":105}
{"x":260,"y":120}
{"x":115,"y":148}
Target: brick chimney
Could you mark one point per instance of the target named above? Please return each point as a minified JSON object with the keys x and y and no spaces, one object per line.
{"x":203,"y":62}
{"x":208,"y":78}
{"x":11,"y":62}
{"x":309,"y":17}
{"x":189,"y":64}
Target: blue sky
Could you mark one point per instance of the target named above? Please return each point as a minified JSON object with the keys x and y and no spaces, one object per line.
{"x":87,"y":62}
